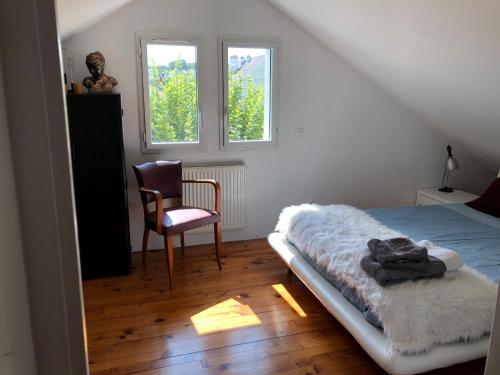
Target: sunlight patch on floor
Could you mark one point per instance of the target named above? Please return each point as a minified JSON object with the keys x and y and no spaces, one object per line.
{"x":230,"y":314}
{"x":280,"y":288}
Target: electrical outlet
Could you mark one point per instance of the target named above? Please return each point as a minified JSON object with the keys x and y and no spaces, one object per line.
{"x":299,"y":132}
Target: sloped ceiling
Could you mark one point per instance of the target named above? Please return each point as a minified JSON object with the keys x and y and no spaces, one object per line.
{"x":441,"y":58}
{"x":76,"y":15}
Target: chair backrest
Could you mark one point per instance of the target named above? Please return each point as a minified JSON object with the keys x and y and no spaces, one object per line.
{"x":164,"y":176}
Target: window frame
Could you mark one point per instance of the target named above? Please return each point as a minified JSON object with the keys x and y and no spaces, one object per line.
{"x":225,"y":42}
{"x":143,"y":39}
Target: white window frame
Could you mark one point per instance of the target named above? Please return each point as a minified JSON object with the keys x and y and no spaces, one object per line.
{"x":143,"y":39}
{"x":226,"y":42}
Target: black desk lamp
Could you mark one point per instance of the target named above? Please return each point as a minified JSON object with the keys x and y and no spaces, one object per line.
{"x":451,"y":164}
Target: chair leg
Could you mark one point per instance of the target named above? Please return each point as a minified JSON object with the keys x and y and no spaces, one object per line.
{"x":145,"y":238}
{"x":218,"y":240}
{"x":182,"y":243}
{"x":169,"y":250}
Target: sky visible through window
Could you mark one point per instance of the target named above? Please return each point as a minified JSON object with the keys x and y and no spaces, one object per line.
{"x":163,"y":54}
{"x":244,"y":52}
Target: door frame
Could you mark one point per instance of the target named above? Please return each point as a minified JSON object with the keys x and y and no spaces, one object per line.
{"x":38,"y":132}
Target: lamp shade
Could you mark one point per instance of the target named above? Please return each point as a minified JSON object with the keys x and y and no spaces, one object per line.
{"x":452,"y":163}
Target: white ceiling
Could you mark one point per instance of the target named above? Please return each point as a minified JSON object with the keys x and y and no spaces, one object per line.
{"x":76,"y":15}
{"x":441,"y":58}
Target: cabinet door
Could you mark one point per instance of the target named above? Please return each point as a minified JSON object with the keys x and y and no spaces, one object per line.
{"x":100,"y":184}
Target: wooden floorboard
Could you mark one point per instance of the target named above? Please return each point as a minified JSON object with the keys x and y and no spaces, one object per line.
{"x":249,"y":318}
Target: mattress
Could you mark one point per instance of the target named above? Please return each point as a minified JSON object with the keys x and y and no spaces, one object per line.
{"x":472,"y":234}
{"x":371,"y":339}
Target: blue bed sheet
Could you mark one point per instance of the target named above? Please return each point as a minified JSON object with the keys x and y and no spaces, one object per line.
{"x":472,"y":234}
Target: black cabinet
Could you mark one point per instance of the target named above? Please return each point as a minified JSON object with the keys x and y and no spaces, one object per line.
{"x":100,"y":184}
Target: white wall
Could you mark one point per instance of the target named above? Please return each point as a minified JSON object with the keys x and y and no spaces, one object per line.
{"x":361,"y":146}
{"x":34,"y":104}
{"x":16,"y":347}
{"x":76,"y":15}
{"x":439,"y":57}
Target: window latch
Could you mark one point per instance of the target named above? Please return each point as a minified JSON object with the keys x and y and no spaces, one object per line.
{"x":226,"y":112}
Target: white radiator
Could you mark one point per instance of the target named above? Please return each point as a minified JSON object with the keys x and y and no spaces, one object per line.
{"x":232,"y":180}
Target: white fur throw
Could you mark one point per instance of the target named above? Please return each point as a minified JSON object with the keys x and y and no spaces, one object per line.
{"x":416,"y":315}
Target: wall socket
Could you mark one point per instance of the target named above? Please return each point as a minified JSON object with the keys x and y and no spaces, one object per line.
{"x":299,"y":132}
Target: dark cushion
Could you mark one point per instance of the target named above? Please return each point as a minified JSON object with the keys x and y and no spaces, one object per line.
{"x":183,"y":218}
{"x":489,"y":201}
{"x":164,"y":176}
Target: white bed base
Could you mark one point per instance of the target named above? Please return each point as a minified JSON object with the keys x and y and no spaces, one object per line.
{"x":373,"y":341}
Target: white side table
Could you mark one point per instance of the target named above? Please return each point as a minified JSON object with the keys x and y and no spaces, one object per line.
{"x":426,"y":197}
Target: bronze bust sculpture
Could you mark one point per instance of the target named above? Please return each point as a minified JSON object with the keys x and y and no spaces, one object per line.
{"x":98,"y":82}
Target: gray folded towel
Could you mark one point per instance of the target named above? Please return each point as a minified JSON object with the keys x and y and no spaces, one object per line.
{"x":400,"y":259}
{"x":398,"y":272}
{"x":396,"y":250}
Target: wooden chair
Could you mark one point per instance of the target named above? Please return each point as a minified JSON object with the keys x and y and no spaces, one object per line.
{"x":163,"y":180}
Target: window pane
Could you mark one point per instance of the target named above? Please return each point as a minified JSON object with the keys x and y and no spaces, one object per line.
{"x":173,"y":93}
{"x":249,"y":94}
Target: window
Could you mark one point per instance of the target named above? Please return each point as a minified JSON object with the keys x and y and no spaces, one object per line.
{"x":248,"y":93}
{"x":170,"y":90}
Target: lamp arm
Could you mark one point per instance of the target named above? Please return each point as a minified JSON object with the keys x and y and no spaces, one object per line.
{"x":444,"y":174}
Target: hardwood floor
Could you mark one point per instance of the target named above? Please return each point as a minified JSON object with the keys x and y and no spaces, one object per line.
{"x":250,"y":318}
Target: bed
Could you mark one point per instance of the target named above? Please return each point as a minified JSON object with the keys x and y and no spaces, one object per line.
{"x":474,"y":235}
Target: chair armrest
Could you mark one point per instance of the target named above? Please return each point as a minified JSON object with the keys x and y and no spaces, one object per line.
{"x":159,"y":207}
{"x":216,"y":186}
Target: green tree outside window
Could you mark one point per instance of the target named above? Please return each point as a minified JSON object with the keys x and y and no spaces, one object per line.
{"x":173,"y":104}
